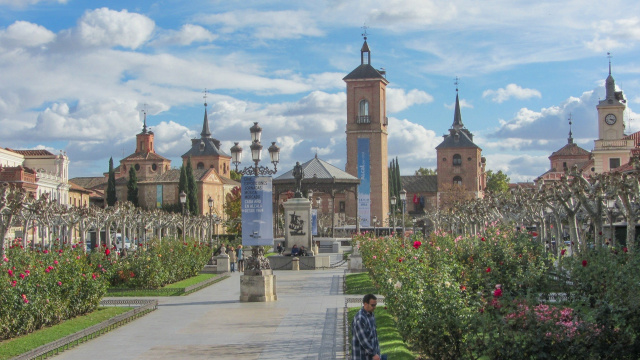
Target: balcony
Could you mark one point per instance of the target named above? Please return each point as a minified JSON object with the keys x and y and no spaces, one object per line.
{"x":614,"y":144}
{"x":363,"y":119}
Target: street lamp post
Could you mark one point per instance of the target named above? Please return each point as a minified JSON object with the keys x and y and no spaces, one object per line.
{"x":611,"y":205}
{"x":375,"y":221}
{"x":403,"y":198}
{"x":318,"y":203}
{"x":257,"y":260}
{"x":393,"y":213}
{"x":183,"y":200}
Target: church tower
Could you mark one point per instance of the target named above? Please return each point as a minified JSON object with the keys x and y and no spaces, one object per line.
{"x":147,"y":163}
{"x":460,"y":161}
{"x":611,"y":150}
{"x":367,"y":139}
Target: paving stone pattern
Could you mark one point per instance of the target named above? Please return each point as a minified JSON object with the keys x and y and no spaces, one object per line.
{"x":305,"y":323}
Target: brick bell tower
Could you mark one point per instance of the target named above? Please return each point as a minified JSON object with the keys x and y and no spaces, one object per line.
{"x":367,"y":140}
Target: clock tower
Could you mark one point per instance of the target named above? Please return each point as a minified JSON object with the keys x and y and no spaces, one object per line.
{"x":611,"y":150}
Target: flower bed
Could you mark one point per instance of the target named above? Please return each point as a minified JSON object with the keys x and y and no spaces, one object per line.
{"x":469,"y":297}
{"x":43,"y":288}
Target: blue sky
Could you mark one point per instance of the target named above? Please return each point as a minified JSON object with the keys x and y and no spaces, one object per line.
{"x":75,"y":75}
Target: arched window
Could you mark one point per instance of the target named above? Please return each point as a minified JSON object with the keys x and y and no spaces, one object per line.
{"x":200,"y":165}
{"x":154,"y":167}
{"x":224,"y":168}
{"x":363,"y":113}
{"x":457,"y":160}
{"x":457,"y":180}
{"x":137,"y":167}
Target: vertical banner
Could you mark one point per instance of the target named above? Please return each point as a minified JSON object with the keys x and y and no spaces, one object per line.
{"x":158,"y":196}
{"x":257,"y":211}
{"x":364,"y":189}
{"x":314,"y":222}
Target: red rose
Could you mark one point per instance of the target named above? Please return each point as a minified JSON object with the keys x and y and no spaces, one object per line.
{"x":562,"y":252}
{"x":497,"y":293}
{"x":482,"y":239}
{"x":624,"y":249}
{"x":417,"y":244}
{"x":400,"y":260}
{"x":584,"y":263}
{"x":463,"y":288}
{"x":488,"y":270}
{"x":107,"y":252}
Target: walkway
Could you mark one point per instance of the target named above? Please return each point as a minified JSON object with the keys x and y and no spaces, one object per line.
{"x":305,"y":323}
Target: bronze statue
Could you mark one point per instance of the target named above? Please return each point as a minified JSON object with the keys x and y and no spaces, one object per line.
{"x":298,"y":174}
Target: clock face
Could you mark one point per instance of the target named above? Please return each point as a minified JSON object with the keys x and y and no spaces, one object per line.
{"x":610,"y":119}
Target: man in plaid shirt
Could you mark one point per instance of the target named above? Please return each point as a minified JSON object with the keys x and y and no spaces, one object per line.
{"x":365,"y":337}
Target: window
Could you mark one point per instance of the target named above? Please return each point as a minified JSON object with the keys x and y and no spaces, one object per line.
{"x":137,"y":167}
{"x":154,"y":167}
{"x":564,"y":165}
{"x":457,"y":160}
{"x":342,"y":206}
{"x":363,"y":113}
{"x":457,"y":180}
{"x":614,"y":163}
{"x":224,"y":168}
{"x":200,"y":165}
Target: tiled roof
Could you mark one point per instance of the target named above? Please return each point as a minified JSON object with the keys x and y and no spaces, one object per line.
{"x":228,"y":181}
{"x":571,"y":149}
{"x":211,"y":148}
{"x":319,"y":169}
{"x":173,"y":175}
{"x":75,"y":187}
{"x":462,"y":141}
{"x":145,"y":156}
{"x":90,"y":183}
{"x":420,"y":183}
{"x":364,"y":71}
{"x":635,"y":136}
{"x":32,"y":152}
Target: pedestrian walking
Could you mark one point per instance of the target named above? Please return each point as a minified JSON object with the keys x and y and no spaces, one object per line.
{"x":240,"y":256}
{"x":232,"y":258}
{"x":365,"y":345}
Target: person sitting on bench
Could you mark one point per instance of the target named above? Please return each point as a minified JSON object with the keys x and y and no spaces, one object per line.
{"x":280,"y":248}
{"x":303,"y":251}
{"x":295,"y":251}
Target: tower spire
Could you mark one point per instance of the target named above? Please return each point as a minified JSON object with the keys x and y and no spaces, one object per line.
{"x":570,"y":139}
{"x":365,"y":52}
{"x":457,"y":117}
{"x":144,"y":126}
{"x":205,"y":125}
{"x":609,"y":56}
{"x":610,"y":84}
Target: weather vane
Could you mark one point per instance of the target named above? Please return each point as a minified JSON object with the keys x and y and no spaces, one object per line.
{"x":609,"y":56}
{"x":364,"y":31}
{"x":456,"y":82}
{"x":205,"y":97}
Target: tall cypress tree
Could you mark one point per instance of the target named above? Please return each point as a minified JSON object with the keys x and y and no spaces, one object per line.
{"x":182,"y":185}
{"x":392,"y":183}
{"x":132,"y":186}
{"x":192,"y":194}
{"x":111,"y":185}
{"x":399,"y":186}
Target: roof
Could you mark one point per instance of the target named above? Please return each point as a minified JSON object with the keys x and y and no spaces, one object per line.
{"x":420,"y":183}
{"x":32,"y":152}
{"x":145,"y":156}
{"x":227,"y":181}
{"x":462,"y":140}
{"x":635,"y":136}
{"x":211,"y":148}
{"x":571,"y":149}
{"x":173,"y":175}
{"x":319,"y":170}
{"x":89,"y":182}
{"x":75,"y":187}
{"x":365,"y":71}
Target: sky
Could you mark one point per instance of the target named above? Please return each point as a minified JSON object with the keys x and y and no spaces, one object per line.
{"x":76,"y":75}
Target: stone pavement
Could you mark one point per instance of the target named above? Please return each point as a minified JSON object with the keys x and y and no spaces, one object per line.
{"x":305,"y":323}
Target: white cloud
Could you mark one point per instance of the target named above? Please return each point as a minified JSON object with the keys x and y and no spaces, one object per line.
{"x":399,"y":99}
{"x":172,"y":139}
{"x":268,"y":25}
{"x":511,"y":91}
{"x":519,"y":167}
{"x":25,"y":34}
{"x":463,"y":104}
{"x":187,"y":35}
{"x":411,"y":142}
{"x":105,"y":27}
{"x":615,"y":34}
{"x":24,"y":3}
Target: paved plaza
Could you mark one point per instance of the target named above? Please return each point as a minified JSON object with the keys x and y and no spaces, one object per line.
{"x":305,"y":323}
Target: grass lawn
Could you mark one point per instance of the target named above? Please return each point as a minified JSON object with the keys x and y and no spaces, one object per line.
{"x":16,"y":346}
{"x":359,"y":283}
{"x":390,"y":340}
{"x":178,"y":286}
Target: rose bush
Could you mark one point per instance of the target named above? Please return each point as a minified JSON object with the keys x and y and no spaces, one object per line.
{"x":473,"y":296}
{"x":45,"y":287}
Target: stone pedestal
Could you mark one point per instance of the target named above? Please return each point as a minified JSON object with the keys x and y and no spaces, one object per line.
{"x":258,"y":286}
{"x":355,"y":262}
{"x":223,"y":263}
{"x":297,"y":231}
{"x":295,"y":264}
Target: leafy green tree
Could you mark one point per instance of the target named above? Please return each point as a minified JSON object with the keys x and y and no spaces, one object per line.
{"x":111,"y":185}
{"x":182,"y":184}
{"x":132,"y":187}
{"x":425,"y":172}
{"x":192,"y":186}
{"x":233,"y":211}
{"x":235,"y":175}
{"x":497,"y":182}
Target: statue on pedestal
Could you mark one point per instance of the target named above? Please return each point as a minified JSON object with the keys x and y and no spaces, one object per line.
{"x":298,"y":174}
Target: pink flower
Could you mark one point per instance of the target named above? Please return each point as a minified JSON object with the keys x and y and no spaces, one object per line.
{"x":417,"y":244}
{"x":497,"y":292}
{"x":24,"y":298}
{"x":59,"y":283}
{"x":22,"y":276}
{"x":28,"y":272}
{"x":14,"y":283}
{"x":47,"y":270}
{"x":93,"y":276}
{"x":55,"y":262}
{"x":107,"y":252}
{"x":5,"y":260}
{"x":374,"y":257}
{"x":10,"y":272}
